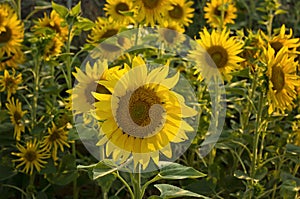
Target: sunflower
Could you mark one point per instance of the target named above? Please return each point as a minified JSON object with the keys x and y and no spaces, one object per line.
{"x":10,"y":83}
{"x":213,"y":13}
{"x":170,"y":34}
{"x":119,"y":11}
{"x":53,"y":48}
{"x":150,"y":11}
{"x":11,"y":33}
{"x":55,"y":23}
{"x":281,"y":40}
{"x":282,"y":79}
{"x":5,"y":12}
{"x":11,"y":59}
{"x":16,"y":116}
{"x":181,"y":12}
{"x":81,"y":99}
{"x":218,"y":49}
{"x":142,"y":116}
{"x":56,"y":138}
{"x":31,"y":157}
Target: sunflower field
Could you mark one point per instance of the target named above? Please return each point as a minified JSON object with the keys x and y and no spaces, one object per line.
{"x":149,"y":99}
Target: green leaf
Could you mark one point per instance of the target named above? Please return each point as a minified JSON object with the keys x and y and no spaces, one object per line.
{"x":76,"y":10}
{"x":104,"y":168}
{"x":61,"y":10}
{"x":293,"y":149}
{"x":241,"y":175}
{"x":84,"y":24}
{"x":176,"y":171}
{"x":289,"y":189}
{"x":170,"y":191}
{"x":66,"y":171}
{"x":105,"y":182}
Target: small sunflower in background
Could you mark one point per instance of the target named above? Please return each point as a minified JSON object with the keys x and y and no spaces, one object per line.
{"x":10,"y":83}
{"x":12,"y":59}
{"x":53,"y":48}
{"x":11,"y":33}
{"x":81,"y":99}
{"x":217,"y":49}
{"x":120,"y":11}
{"x":56,"y":138}
{"x":180,"y":12}
{"x":213,"y":13}
{"x":170,"y":33}
{"x":282,"y":79}
{"x":142,"y":116}
{"x":16,"y":116}
{"x":31,"y":157}
{"x":280,"y":40}
{"x":55,"y":23}
{"x":149,"y":12}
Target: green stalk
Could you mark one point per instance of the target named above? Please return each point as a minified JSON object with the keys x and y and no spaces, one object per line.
{"x":136,"y":181}
{"x":125,"y":183}
{"x":36,"y":86}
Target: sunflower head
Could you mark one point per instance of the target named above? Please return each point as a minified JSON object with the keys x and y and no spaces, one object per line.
{"x":31,"y":157}
{"x":52,"y":48}
{"x":121,"y":11}
{"x":11,"y":59}
{"x":142,"y":116}
{"x":283,"y":79}
{"x":180,"y":12}
{"x":170,"y":34}
{"x":10,"y":83}
{"x":220,"y":51}
{"x":218,"y":13}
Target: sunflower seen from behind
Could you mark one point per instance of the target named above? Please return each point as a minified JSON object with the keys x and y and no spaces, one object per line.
{"x":11,"y":60}
{"x":57,"y":138}
{"x":218,"y":50}
{"x":31,"y":157}
{"x":14,"y":108}
{"x":142,"y":116}
{"x":10,"y":83}
{"x":213,"y":13}
{"x":283,"y":80}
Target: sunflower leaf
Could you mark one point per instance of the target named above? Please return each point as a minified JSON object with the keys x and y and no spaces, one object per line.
{"x":61,"y":10}
{"x":103,"y":168}
{"x":176,"y":171}
{"x":76,"y":10}
{"x":170,"y":191}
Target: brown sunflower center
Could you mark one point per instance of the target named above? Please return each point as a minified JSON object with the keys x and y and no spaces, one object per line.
{"x":141,"y":100}
{"x":110,"y":33}
{"x":30,"y":155}
{"x":176,"y":12}
{"x":150,"y":4}
{"x":170,"y":35}
{"x":9,"y":82}
{"x":55,"y":135}
{"x":121,"y":7}
{"x":6,"y":35}
{"x":55,"y":27}
{"x":17,"y":117}
{"x":99,"y":89}
{"x":276,"y":46}
{"x":218,"y":12}
{"x":278,"y":78}
{"x":219,"y":55}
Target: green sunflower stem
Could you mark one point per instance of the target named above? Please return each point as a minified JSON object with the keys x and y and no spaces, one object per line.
{"x":35,"y":91}
{"x":137,"y":184}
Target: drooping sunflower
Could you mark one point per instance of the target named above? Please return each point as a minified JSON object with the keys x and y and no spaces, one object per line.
{"x":11,"y":59}
{"x":142,"y":116}
{"x":16,"y":117}
{"x":150,"y":11}
{"x":282,"y":79}
{"x":217,"y":49}
{"x":170,"y":34}
{"x":181,"y":12}
{"x":31,"y":157}
{"x":281,"y":40}
{"x":116,"y":10}
{"x":56,"y":138}
{"x":55,"y":23}
{"x":81,"y":99}
{"x":10,"y":83}
{"x":213,"y":13}
{"x":11,"y":33}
